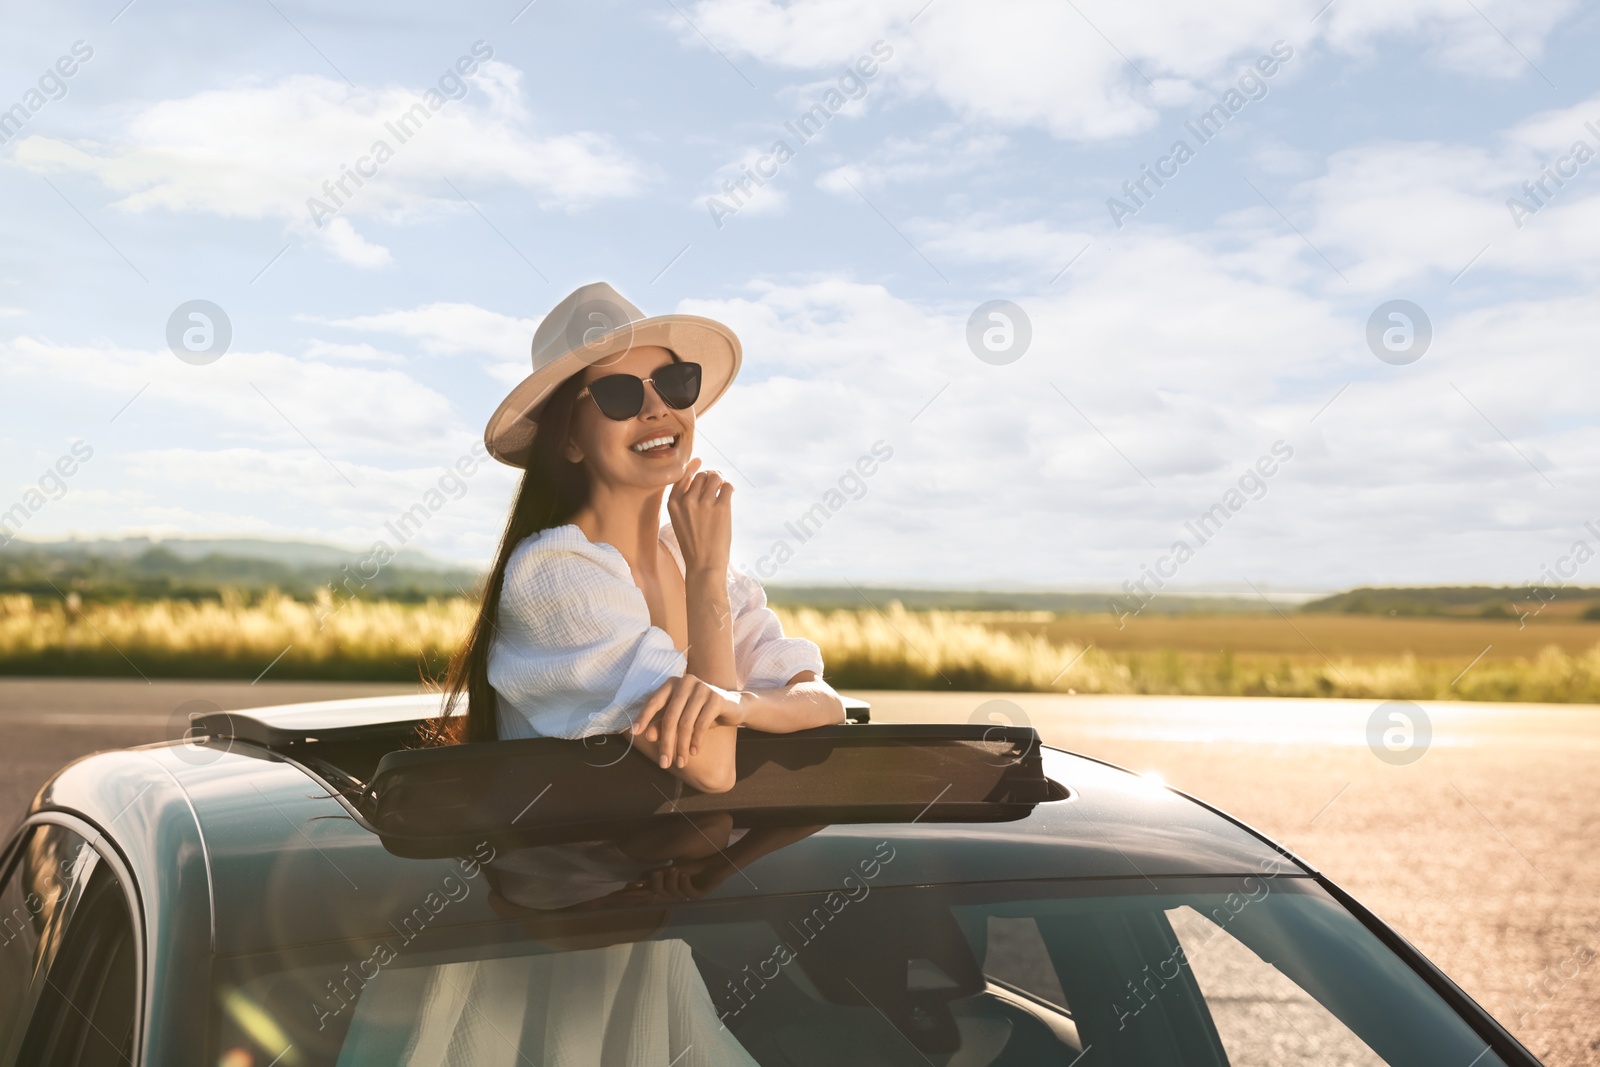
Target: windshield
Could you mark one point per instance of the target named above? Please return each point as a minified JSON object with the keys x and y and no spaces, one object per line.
{"x":1193,"y":971}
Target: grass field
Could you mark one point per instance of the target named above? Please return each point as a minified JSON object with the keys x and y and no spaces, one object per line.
{"x":231,"y":638}
{"x":1553,"y":658}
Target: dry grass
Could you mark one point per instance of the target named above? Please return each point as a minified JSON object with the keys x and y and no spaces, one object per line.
{"x":1361,"y":636}
{"x":1338,"y":656}
{"x":380,"y":640}
{"x":897,"y":649}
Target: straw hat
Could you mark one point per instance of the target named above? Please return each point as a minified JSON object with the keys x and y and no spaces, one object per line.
{"x":592,"y":326}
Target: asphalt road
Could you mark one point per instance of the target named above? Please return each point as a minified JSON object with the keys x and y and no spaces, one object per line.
{"x":1483,"y":851}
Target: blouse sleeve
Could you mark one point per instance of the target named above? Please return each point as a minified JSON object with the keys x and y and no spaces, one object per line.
{"x":574,"y":653}
{"x":763,"y":657}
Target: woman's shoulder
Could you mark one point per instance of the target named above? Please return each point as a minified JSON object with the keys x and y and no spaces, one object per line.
{"x":559,"y":556}
{"x":556,"y":541}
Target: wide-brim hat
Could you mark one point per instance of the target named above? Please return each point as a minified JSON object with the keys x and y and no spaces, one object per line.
{"x":593,"y":325}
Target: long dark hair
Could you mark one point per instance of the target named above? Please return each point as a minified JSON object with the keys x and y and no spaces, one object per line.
{"x":552,"y":490}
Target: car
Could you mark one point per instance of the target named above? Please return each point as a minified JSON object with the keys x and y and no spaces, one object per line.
{"x":306,"y":885}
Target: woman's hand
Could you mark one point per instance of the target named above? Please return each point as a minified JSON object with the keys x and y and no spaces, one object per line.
{"x":677,"y":715}
{"x":688,"y":879}
{"x":701,"y":509}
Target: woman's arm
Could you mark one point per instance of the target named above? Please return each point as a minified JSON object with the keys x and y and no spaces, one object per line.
{"x":697,"y":728}
{"x":701,"y":508}
{"x":806,"y":701}
{"x":666,"y":728}
{"x":689,"y":725}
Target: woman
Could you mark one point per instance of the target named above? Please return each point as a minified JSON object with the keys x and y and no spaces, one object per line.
{"x":597,"y":619}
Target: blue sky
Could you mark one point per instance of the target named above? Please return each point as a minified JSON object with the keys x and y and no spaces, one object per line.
{"x":1169,"y":354}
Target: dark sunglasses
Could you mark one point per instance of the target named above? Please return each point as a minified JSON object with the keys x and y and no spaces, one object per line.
{"x":621,"y":396}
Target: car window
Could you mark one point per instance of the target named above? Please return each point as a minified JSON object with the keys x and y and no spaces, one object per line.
{"x":992,"y":975}
{"x":1015,"y":954}
{"x":1263,"y":1019}
{"x":87,"y":1006}
{"x":39,"y":881}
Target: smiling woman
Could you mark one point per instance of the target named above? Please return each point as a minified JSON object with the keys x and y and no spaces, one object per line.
{"x":597,"y":618}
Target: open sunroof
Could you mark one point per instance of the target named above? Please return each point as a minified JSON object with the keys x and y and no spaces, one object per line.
{"x":360,"y":720}
{"x":445,"y":801}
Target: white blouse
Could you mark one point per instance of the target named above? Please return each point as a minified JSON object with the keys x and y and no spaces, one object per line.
{"x":574,"y":653}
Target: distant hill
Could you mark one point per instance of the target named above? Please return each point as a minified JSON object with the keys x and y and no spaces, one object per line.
{"x":140,"y":568}
{"x":289,"y":553}
{"x":833,"y":598}
{"x":1461,"y":601}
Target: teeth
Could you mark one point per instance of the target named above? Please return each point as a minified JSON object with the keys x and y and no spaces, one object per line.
{"x":654,"y":442}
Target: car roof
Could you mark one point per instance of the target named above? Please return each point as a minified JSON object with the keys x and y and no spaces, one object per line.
{"x":287,"y":862}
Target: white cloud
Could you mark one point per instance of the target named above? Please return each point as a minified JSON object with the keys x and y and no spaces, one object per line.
{"x":247,"y":398}
{"x":1391,"y":213}
{"x":1284,"y":160}
{"x":266,"y":151}
{"x":944,"y":152}
{"x":1193,"y":338}
{"x":220,"y":491}
{"x":1080,"y":70}
{"x":1191,"y":353}
{"x":258,"y":442}
{"x":456,"y":329}
{"x":739,"y":188}
{"x":1494,"y":39}
{"x":360,"y":353}
{"x":1186,"y":364}
{"x":345,"y":243}
{"x":1388,"y":214}
{"x":992,"y":237}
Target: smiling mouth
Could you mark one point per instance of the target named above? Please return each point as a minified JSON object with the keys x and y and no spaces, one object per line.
{"x":664,"y":443}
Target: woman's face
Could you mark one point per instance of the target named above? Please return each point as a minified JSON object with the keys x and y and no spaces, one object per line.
{"x":648,"y":451}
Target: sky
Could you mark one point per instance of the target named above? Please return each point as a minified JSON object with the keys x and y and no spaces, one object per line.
{"x":1073,"y":275}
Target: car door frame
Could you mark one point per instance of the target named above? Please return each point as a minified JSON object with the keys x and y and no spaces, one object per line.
{"x":101,"y":851}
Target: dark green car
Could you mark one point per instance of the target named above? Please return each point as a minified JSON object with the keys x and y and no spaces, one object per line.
{"x":300,"y":886}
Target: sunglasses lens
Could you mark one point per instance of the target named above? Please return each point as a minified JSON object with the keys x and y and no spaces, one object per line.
{"x":678,"y":384}
{"x":618,"y":396}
